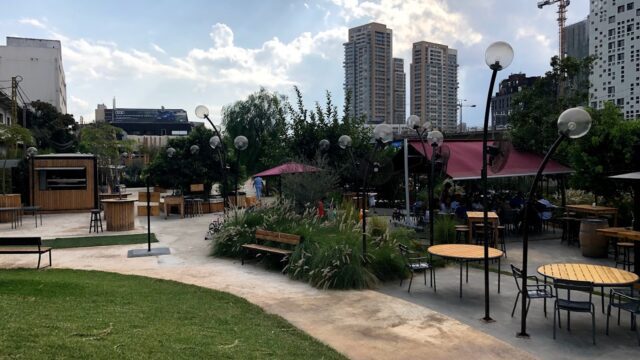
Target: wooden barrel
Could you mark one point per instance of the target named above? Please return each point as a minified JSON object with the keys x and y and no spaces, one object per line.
{"x":592,"y":243}
{"x":8,"y":201}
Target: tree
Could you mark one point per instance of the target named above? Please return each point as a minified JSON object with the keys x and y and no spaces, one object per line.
{"x":185,"y":167}
{"x":10,"y":139}
{"x":52,"y":129}
{"x":101,"y":139}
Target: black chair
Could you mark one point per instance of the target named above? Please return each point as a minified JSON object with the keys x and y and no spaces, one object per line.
{"x":573,"y":305}
{"x":416,"y":263}
{"x":623,"y":300}
{"x":538,"y":290}
{"x":96,"y":221}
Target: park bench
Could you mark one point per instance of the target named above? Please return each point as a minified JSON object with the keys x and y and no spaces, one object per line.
{"x":265,"y":238}
{"x":24,"y":245}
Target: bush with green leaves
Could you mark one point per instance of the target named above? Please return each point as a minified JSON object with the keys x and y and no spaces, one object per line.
{"x":330,"y":254}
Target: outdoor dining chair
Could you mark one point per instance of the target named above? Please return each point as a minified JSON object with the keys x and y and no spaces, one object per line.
{"x":539,"y":290}
{"x":622,"y":301}
{"x":416,"y":263}
{"x":565,"y":303}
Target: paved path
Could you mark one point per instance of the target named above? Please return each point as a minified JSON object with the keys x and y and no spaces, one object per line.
{"x":359,"y":324}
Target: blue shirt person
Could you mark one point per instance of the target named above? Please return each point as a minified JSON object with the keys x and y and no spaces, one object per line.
{"x":257,"y":183}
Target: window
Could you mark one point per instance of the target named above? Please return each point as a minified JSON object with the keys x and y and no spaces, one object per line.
{"x":63,"y":178}
{"x":620,"y":8}
{"x":612,"y":58}
{"x":620,"y":102}
{"x":629,"y":27}
{"x":612,"y":32}
{"x":620,"y":56}
{"x":611,"y":89}
{"x":611,"y":45}
{"x":612,"y":19}
{"x":630,"y":6}
{"x":621,"y":43}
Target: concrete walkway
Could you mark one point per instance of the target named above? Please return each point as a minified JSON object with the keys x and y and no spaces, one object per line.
{"x":359,"y":324}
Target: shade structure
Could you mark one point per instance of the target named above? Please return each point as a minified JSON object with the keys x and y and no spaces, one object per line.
{"x":632,"y":176}
{"x":465,"y":161}
{"x":287,"y":168}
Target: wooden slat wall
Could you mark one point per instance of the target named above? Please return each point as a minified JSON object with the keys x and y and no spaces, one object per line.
{"x":82,"y":199}
{"x":278,"y":237}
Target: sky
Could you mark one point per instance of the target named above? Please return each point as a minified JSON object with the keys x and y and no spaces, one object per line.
{"x":180,"y":54}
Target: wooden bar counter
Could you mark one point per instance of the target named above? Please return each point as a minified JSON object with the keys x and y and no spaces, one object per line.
{"x":8,"y":201}
{"x":119,"y":214}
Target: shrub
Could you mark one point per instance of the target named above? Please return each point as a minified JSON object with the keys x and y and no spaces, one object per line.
{"x":444,"y":229}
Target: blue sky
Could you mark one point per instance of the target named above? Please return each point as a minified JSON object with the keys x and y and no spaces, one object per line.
{"x":179,"y":54}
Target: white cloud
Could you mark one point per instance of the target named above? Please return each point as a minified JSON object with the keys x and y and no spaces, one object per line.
{"x":158,"y":48}
{"x":221,"y":35}
{"x":413,"y":20}
{"x":33,"y":22}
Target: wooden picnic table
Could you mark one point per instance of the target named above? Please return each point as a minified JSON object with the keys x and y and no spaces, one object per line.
{"x":600,"y":275}
{"x":629,"y":235}
{"x":464,"y":253}
{"x":474,"y":217}
{"x":595,"y":210}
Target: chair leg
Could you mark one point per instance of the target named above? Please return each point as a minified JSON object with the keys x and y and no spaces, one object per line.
{"x":410,"y":281}
{"x":593,"y":326}
{"x":606,"y":332}
{"x":568,"y":320}
{"x":513,"y":311}
{"x":39,"y":257}
{"x":555,"y":311}
{"x":425,"y":277}
{"x":433,"y":271}
{"x":528,"y":305}
{"x":602,"y":297}
{"x":545,"y":308}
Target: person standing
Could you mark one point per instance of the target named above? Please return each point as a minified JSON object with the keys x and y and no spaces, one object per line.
{"x":257,"y":184}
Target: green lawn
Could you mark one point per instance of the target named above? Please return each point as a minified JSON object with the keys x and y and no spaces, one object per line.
{"x":74,"y":242}
{"x":96,"y":315}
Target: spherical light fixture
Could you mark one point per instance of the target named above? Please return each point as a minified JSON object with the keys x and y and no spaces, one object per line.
{"x":324,"y":145}
{"x":194,"y":149}
{"x":241,"y":142}
{"x":171,"y":152}
{"x":413,"y":122}
{"x":214,"y":141}
{"x":574,"y":122}
{"x":344,"y":141}
{"x":32,"y":151}
{"x":202,"y":111}
{"x":383,"y":133}
{"x":499,"y":55}
{"x":435,"y":137}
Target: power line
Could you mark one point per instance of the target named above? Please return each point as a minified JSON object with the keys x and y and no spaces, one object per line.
{"x":20,"y":89}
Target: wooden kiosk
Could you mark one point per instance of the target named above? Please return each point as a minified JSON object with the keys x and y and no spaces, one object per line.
{"x":63,"y":182}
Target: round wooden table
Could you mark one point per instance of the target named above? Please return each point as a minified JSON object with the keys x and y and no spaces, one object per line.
{"x":119,"y":214}
{"x":599,"y":275}
{"x":463,"y":254}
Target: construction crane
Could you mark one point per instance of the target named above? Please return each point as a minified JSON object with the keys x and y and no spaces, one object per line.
{"x":562,"y":19}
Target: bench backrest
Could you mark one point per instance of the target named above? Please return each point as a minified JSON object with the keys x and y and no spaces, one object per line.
{"x":277,"y":237}
{"x":20,"y":241}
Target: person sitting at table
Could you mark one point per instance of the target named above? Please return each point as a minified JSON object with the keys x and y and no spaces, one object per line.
{"x":544,"y":207}
{"x":476,"y":204}
{"x":517,"y":201}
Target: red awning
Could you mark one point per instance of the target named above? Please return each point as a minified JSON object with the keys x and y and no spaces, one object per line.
{"x":287,"y":168}
{"x":465,"y":161}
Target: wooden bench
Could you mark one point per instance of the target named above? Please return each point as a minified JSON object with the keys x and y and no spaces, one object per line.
{"x":24,"y":245}
{"x":273,"y":237}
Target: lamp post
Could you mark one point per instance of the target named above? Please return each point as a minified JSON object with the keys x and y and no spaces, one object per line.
{"x":383,"y":135}
{"x":435,"y":139}
{"x":31,"y":153}
{"x":460,"y":106}
{"x":202,"y":112}
{"x":498,"y":56}
{"x":240,"y":143}
{"x":421,"y":129}
{"x":573,"y":123}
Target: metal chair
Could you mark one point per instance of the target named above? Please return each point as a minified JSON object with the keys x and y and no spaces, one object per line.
{"x":623,"y":255}
{"x":416,"y":263}
{"x":534,"y":291}
{"x":623,"y":301}
{"x":573,"y":305}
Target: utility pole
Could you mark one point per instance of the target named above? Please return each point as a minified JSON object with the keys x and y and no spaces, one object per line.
{"x":14,"y":99}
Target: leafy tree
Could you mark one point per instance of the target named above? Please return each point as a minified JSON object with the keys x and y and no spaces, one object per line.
{"x":10,"y":138}
{"x":262,"y":119}
{"x":101,"y":139}
{"x":186,"y":168}
{"x":52,"y":129}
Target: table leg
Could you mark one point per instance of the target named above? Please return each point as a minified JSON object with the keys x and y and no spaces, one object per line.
{"x":467,"y":263}
{"x":602,"y":296}
{"x":499,"y":268}
{"x":461,"y":279}
{"x":636,"y":257}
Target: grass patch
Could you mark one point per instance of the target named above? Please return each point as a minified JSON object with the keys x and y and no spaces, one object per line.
{"x":75,"y":242}
{"x":97,"y":315}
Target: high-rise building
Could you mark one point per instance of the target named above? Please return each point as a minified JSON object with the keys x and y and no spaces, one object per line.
{"x":577,"y":39}
{"x":399,"y":92}
{"x":613,"y":40}
{"x":501,"y":102}
{"x":39,"y":63}
{"x":434,"y":84}
{"x":368,"y":69}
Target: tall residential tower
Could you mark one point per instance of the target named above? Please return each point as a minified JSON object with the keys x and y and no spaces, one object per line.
{"x":434,"y":84}
{"x":370,"y":70}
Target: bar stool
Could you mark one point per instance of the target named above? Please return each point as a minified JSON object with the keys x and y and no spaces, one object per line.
{"x":624,"y":250}
{"x":197,"y":207}
{"x":96,"y":221}
{"x":501,"y":230}
{"x":462,"y":233}
{"x":188,"y":207}
{"x":479,"y":232}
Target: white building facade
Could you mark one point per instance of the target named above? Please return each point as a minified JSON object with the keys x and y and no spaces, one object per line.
{"x":614,"y":39}
{"x":39,"y":63}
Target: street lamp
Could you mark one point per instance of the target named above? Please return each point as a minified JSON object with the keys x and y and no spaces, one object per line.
{"x":498,"y":56}
{"x":460,"y":106}
{"x":202,"y":112}
{"x":383,"y":135}
{"x":573,"y":123}
{"x":31,"y":153}
{"x":240,"y":143}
